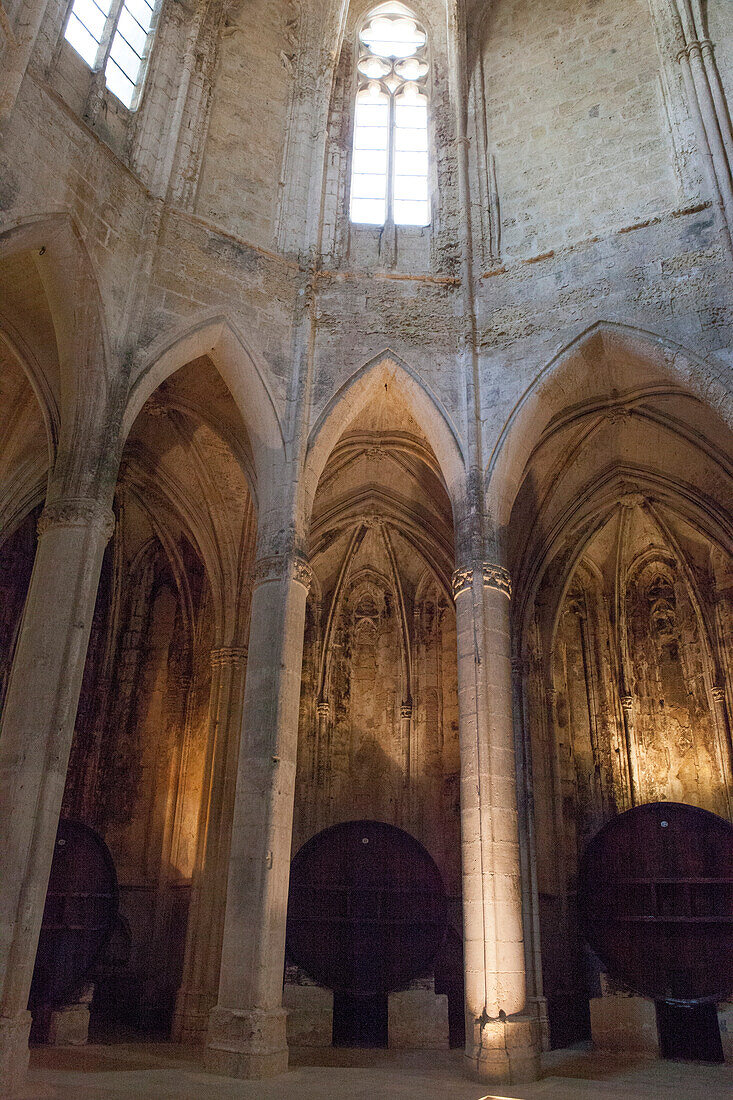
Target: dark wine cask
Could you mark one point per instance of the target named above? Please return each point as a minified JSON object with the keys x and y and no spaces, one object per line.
{"x":655,"y":898}
{"x":367,"y":909}
{"x":80,"y":912}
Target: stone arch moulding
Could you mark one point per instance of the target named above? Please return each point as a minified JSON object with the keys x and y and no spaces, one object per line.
{"x":581,"y":521}
{"x":356,"y":392}
{"x":157,"y":497}
{"x":39,"y":382}
{"x":548,"y":394}
{"x":217,"y":338}
{"x":76,"y":304}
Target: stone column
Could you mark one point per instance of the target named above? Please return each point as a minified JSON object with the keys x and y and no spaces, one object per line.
{"x":502,"y":1043}
{"x":200,"y":981}
{"x":521,"y":671}
{"x":725,"y":742}
{"x":247,"y":1027}
{"x":320,"y":757}
{"x":35,"y":739}
{"x":406,"y":743}
{"x":319,"y":800}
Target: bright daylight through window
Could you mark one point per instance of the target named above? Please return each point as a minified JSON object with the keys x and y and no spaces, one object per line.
{"x":389,"y":175}
{"x":114,"y":35}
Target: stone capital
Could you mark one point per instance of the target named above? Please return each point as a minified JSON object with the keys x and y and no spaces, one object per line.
{"x":77,"y":512}
{"x":627,"y":701}
{"x":462,"y":581}
{"x":695,"y":46}
{"x":718,"y":693}
{"x":323,"y":708}
{"x":492,"y":576}
{"x":277,"y":567}
{"x":229,"y":656}
{"x":496,"y":576}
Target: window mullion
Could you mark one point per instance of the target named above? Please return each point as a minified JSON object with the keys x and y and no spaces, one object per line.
{"x":109,"y":31}
{"x":390,"y":160}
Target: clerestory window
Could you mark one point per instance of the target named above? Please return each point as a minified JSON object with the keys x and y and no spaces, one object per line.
{"x":115,"y":35}
{"x":389,"y":172}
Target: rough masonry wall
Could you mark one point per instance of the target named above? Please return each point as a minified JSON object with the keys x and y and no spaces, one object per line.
{"x":239,"y":186}
{"x":575,"y":118}
{"x":199,"y":274}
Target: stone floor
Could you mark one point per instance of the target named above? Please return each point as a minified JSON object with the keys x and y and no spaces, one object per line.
{"x":166,"y":1072}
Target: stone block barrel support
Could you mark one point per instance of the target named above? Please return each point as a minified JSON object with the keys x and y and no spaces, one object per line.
{"x":502,"y":1043}
{"x":35,"y":739}
{"x":247,"y":1027}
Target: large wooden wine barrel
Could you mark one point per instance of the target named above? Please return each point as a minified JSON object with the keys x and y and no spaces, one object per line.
{"x":655,"y":898}
{"x":367,"y":909}
{"x":80,"y":913}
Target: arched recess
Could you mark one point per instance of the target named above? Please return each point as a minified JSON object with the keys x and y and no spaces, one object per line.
{"x":54,"y":317}
{"x":378,"y":730}
{"x":387,"y":373}
{"x":152,"y":738}
{"x":618,"y":531}
{"x":245,"y":377}
{"x":608,"y":366}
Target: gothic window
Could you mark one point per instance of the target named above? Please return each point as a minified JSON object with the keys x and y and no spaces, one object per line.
{"x":389,"y":173}
{"x":115,"y":35}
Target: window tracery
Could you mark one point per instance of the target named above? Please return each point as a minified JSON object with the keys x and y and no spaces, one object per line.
{"x":389,"y":172}
{"x":114,"y":35}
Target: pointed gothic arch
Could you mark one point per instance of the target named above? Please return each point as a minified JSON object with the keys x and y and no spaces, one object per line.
{"x":77,"y":396}
{"x":243,"y":374}
{"x":387,"y":369}
{"x":573,"y":375}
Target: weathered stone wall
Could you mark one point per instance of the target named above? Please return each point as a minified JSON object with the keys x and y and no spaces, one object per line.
{"x":378,"y":735}
{"x":240,"y":179}
{"x":575,"y":119}
{"x":378,"y":752}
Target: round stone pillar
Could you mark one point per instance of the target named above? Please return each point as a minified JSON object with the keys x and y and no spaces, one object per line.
{"x":502,"y":1043}
{"x":247,"y":1027}
{"x":200,"y":981}
{"x":35,"y":739}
